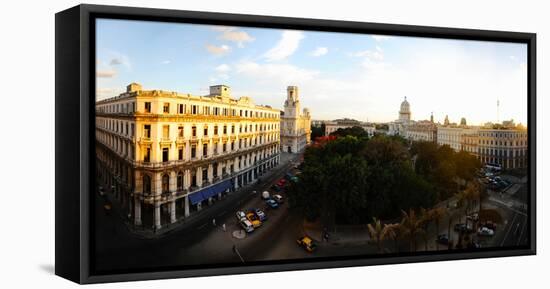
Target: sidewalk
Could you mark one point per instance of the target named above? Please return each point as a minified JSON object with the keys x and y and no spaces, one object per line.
{"x":343,"y":234}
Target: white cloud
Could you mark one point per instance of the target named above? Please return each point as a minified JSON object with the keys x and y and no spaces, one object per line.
{"x":167,"y":61}
{"x":287,"y":45}
{"x":106,"y":73}
{"x":218,"y":50}
{"x":103,"y":92}
{"x":222,"y":68}
{"x":319,"y":51}
{"x":281,"y":75}
{"x":233,"y":34}
{"x":381,"y":37}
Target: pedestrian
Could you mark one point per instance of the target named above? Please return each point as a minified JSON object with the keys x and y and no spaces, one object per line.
{"x":214,"y":222}
{"x":223,"y":227}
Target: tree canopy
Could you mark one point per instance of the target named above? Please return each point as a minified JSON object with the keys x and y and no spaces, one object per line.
{"x":352,"y":179}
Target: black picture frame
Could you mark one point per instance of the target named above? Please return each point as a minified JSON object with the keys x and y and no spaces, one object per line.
{"x":75,"y":137}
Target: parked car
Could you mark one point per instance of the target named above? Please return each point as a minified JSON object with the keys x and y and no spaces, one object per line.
{"x":279,"y":199}
{"x":253,"y":219}
{"x":275,"y":188}
{"x":247,"y":226}
{"x":261,"y":215}
{"x":265,"y":195}
{"x":272,"y":203}
{"x":443,"y":239}
{"x":484,"y":231}
{"x":490,"y":225}
{"x":307,"y":243}
{"x":240,"y":215}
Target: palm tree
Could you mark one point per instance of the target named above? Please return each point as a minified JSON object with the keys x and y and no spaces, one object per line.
{"x":437,"y":215}
{"x":411,"y":226}
{"x":394,"y":232}
{"x":377,"y":232}
{"x":425,"y":219}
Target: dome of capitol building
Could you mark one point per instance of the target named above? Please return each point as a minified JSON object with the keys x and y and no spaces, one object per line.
{"x":405,"y":106}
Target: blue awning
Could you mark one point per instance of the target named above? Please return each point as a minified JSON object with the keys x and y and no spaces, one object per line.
{"x":196,"y":198}
{"x":209,"y":192}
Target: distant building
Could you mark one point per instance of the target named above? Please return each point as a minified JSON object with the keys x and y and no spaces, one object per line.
{"x":332,"y":126}
{"x":399,"y":126}
{"x":504,"y":144}
{"x":295,"y":127}
{"x":422,"y":131}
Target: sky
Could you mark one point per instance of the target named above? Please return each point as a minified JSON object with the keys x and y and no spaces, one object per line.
{"x":360,"y":76}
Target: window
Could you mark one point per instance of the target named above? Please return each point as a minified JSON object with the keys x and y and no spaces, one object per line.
{"x":180,"y":153}
{"x":224,"y":129}
{"x":179,"y":181}
{"x":194,"y":109}
{"x":232,"y":145}
{"x":224,"y":147}
{"x":232,"y":129}
{"x":147,"y":155}
{"x":165,"y":183}
{"x":194,"y":131}
{"x":147,"y":107}
{"x":205,"y":130}
{"x":193,"y":151}
{"x":147,"y":130}
{"x":146,"y":184}
{"x":166,"y":131}
{"x":165,"y":154}
{"x":215,"y":148}
{"x":205,"y":150}
{"x":181,"y":109}
{"x":204,"y":174}
{"x":215,"y":169}
{"x":180,"y":131}
{"x":216,"y":130}
{"x":166,"y":107}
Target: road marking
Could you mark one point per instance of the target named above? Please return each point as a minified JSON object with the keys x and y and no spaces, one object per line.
{"x":222,"y":213}
{"x":202,"y":226}
{"x":509,"y":228}
{"x":507,"y":206}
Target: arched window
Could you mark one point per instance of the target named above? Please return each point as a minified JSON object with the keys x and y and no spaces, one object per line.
{"x":165,"y":183}
{"x":180,"y":181}
{"x":146,"y":184}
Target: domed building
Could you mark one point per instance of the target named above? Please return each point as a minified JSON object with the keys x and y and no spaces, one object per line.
{"x":399,"y":126}
{"x":405,"y":111}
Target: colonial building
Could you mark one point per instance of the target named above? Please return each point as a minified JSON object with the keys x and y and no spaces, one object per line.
{"x":424,"y":130}
{"x":505,"y":145}
{"x":332,"y":126}
{"x":166,"y":154}
{"x":295,"y":127}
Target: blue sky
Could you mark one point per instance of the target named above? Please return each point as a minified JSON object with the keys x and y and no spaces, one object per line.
{"x":339,"y":74}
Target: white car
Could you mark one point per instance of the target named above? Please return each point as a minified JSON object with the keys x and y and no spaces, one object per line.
{"x":484,"y":231}
{"x":240,"y":216}
{"x":278,"y":198}
{"x":247,"y":226}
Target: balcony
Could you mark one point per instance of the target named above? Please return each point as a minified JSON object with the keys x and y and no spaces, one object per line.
{"x":145,"y":140}
{"x":165,"y":141}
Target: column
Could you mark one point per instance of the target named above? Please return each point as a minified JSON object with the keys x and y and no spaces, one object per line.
{"x":186,"y":206}
{"x":173,"y":211}
{"x":235,"y":183}
{"x":137,"y":212}
{"x":157,"y":216}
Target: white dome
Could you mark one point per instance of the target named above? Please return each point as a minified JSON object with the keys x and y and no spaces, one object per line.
{"x":405,"y":106}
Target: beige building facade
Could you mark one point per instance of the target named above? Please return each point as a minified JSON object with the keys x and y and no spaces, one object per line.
{"x":166,"y":154}
{"x":332,"y":126}
{"x":295,"y":124}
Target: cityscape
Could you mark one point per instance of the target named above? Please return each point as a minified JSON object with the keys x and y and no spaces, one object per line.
{"x":217,"y":177}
